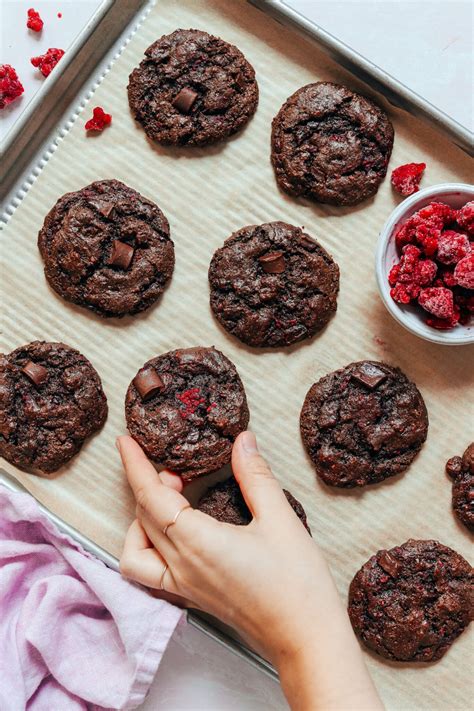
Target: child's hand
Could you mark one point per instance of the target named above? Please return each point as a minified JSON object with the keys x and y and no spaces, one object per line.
{"x":267,"y":580}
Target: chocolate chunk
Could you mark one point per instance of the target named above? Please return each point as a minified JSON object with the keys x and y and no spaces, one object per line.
{"x":369,"y":375}
{"x":273,"y":262}
{"x":35,"y":372}
{"x":389,"y":564}
{"x":184,"y":100}
{"x":148,"y":383}
{"x":454,"y":466}
{"x":105,"y":208}
{"x":122,"y":254}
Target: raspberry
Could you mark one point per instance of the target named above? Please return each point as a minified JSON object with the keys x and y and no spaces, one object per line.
{"x":445,"y":324}
{"x":46,"y":62}
{"x":406,"y":178}
{"x":34,"y":21}
{"x":424,"y":227}
{"x":10,"y":86}
{"x":99,"y":120}
{"x":464,"y":272}
{"x":438,"y":301}
{"x":465,"y":217}
{"x":411,"y":274}
{"x":191,"y":400}
{"x":452,"y":247}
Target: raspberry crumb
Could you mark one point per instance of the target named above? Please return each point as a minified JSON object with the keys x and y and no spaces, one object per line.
{"x":406,"y":178}
{"x":34,"y":21}
{"x":99,"y":120}
{"x":191,"y":400}
{"x":46,"y":62}
{"x":60,"y":14}
{"x":10,"y":86}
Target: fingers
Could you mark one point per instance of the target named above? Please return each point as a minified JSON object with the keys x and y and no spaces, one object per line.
{"x":159,"y":501}
{"x":260,"y":489}
{"x":144,"y":564}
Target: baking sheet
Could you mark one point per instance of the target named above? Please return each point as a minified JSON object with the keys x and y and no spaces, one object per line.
{"x":206,"y":195}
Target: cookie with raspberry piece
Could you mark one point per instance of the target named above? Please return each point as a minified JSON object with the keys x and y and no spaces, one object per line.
{"x":461,"y":471}
{"x":185,"y":408}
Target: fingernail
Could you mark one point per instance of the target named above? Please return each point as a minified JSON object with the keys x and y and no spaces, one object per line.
{"x":249,"y":442}
{"x":117,"y":444}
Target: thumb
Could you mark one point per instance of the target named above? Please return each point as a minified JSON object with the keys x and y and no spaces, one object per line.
{"x":260,"y":489}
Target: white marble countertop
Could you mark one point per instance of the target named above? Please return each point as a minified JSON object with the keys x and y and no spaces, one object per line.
{"x":427,"y":45}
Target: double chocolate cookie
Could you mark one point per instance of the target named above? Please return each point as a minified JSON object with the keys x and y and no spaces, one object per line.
{"x":51,"y":400}
{"x":461,"y":470}
{"x":363,"y":423}
{"x":410,"y":603}
{"x":272,"y":285}
{"x":107,"y":248}
{"x":331,"y":145}
{"x":192,"y":89}
{"x":225,"y":503}
{"x":185,"y":408}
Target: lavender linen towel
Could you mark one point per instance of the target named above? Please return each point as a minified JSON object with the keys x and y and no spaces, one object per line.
{"x":74,"y":635}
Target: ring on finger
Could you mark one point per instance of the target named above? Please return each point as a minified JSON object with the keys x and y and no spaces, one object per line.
{"x":177,"y":515}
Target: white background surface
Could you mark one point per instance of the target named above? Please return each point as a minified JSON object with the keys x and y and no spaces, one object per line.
{"x":428,"y":46}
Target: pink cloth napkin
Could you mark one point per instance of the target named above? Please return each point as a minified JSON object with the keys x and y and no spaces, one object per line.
{"x":74,"y":635}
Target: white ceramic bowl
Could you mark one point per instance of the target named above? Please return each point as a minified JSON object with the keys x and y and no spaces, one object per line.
{"x":412,"y":317}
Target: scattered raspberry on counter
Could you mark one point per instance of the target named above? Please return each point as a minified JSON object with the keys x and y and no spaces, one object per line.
{"x":436,"y":266}
{"x":406,"y":178}
{"x":34,"y":21}
{"x":46,"y":62}
{"x":10,"y":86}
{"x":99,"y":120}
{"x":60,"y":14}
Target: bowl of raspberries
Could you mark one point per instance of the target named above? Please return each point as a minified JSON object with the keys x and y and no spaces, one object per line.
{"x":425,"y":264}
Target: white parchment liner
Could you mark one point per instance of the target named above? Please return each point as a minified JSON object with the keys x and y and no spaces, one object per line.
{"x":207,"y":194}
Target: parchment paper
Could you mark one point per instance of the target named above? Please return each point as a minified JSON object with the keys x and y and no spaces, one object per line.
{"x":207,"y":194}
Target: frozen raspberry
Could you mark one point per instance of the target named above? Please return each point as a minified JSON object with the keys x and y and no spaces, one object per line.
{"x":10,"y":86}
{"x":445,"y":324}
{"x":99,"y":120}
{"x":452,"y":247}
{"x":34,"y":21}
{"x":411,"y":274}
{"x":438,"y":301}
{"x":46,"y":62}
{"x":464,"y":272}
{"x":424,"y":227}
{"x":465,"y":217}
{"x":406,"y":178}
{"x":446,"y":278}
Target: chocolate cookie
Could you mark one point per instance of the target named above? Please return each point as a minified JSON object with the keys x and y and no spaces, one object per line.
{"x":363,"y":423}
{"x":225,"y":502}
{"x":51,"y":400}
{"x":461,"y":470}
{"x":107,"y":248}
{"x":192,"y":89}
{"x":185,"y":408}
{"x":272,"y":285}
{"x":410,"y":603}
{"x":331,"y":145}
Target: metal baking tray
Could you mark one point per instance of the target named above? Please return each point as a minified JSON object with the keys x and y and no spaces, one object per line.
{"x":210,"y":626}
{"x":39,"y":131}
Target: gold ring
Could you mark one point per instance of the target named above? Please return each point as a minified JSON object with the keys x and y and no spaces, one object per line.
{"x":162,"y":581}
{"x":178,"y":514}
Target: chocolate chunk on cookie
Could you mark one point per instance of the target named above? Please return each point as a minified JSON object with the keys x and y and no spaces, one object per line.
{"x":225,"y":502}
{"x":273,"y":285}
{"x":461,"y":470}
{"x":51,"y":400}
{"x":362,"y":424}
{"x":192,"y":89}
{"x":410,"y":603}
{"x":185,"y":408}
{"x":107,"y":248}
{"x":331,"y":145}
